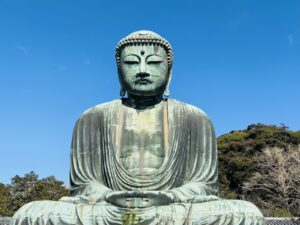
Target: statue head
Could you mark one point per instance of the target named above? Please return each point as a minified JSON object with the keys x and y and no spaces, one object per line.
{"x":144,"y":61}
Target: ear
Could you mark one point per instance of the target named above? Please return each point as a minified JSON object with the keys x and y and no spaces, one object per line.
{"x":122,"y":90}
{"x":167,"y":90}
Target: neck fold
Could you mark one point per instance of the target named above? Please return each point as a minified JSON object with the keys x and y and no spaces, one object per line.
{"x":143,"y":102}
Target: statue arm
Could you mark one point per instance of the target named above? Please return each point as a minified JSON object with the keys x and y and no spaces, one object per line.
{"x":89,"y":193}
{"x":193,"y":192}
{"x":87,"y":182}
{"x":200,"y":181}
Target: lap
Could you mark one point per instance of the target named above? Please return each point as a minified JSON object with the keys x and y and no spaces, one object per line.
{"x":57,"y":212}
{"x":214,"y":212}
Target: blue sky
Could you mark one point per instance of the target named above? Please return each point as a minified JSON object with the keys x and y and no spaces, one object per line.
{"x":237,"y":60}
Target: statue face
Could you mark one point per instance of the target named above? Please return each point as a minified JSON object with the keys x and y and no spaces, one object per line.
{"x":144,"y":69}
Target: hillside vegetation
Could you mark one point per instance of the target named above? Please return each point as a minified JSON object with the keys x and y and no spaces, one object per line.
{"x":241,"y":157}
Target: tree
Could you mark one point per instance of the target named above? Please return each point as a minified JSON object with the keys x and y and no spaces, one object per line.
{"x":29,"y":188}
{"x":275,"y":187}
{"x":4,"y":200}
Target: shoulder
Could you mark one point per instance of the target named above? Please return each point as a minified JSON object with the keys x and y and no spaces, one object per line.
{"x":188,"y":109}
{"x":191,"y":114}
{"x":99,"y":111}
{"x":100,"y":108}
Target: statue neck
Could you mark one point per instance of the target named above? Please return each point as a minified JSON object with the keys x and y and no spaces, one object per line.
{"x":143,"y":102}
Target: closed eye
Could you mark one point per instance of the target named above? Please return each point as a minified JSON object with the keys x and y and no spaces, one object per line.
{"x":154,"y":62}
{"x":131,"y":59}
{"x":130,"y":62}
{"x":154,"y":59}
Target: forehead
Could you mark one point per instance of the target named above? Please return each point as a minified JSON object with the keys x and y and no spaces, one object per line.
{"x":146,"y":49}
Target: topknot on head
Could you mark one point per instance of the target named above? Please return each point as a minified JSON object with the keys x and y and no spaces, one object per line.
{"x":144,"y":37}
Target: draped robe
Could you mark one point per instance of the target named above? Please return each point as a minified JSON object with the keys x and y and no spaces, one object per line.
{"x":189,"y":172}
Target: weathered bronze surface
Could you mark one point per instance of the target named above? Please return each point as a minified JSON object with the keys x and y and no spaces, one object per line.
{"x":143,"y":159}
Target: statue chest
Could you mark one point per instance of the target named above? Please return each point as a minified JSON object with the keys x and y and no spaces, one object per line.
{"x":141,"y":147}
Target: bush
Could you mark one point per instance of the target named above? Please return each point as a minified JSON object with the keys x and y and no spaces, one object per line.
{"x":27,"y":189}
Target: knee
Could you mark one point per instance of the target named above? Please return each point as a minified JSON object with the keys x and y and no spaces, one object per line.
{"x":227,"y":207}
{"x":45,"y":212}
{"x":45,"y":208}
{"x":241,"y":206}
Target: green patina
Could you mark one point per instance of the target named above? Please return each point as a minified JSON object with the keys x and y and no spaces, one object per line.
{"x":129,"y":219}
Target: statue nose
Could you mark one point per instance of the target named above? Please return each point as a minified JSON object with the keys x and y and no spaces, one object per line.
{"x":143,"y":66}
{"x":143,"y":70}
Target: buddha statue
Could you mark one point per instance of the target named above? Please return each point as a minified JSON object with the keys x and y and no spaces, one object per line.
{"x":144,"y":158}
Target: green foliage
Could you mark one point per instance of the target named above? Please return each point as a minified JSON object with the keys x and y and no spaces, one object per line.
{"x":4,"y":200}
{"x":278,"y":213}
{"x":27,"y":189}
{"x":239,"y":151}
{"x":295,"y":136}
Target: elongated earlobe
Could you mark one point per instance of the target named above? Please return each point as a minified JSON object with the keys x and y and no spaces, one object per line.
{"x":122,"y":92}
{"x":167,"y":92}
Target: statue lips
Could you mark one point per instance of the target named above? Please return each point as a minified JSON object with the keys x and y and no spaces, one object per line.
{"x":143,"y":81}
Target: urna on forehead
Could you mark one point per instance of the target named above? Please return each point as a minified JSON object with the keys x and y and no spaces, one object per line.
{"x":144,"y":37}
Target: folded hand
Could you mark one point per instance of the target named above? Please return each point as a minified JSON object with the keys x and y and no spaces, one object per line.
{"x":139,"y":199}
